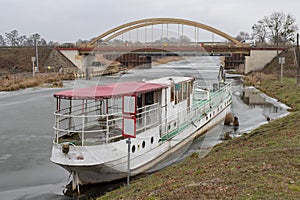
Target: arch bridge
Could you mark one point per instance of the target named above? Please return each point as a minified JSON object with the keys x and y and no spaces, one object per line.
{"x":119,"y":30}
{"x":101,"y":44}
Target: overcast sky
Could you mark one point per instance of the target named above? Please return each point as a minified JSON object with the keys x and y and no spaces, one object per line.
{"x":70,"y":20}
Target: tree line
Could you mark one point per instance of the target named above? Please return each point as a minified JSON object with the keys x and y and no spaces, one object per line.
{"x":14,"y":39}
{"x":172,"y":40}
{"x":278,"y":28}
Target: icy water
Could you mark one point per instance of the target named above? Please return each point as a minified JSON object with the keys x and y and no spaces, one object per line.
{"x":27,"y":119}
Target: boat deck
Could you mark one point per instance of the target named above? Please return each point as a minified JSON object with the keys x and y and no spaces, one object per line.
{"x":92,"y":136}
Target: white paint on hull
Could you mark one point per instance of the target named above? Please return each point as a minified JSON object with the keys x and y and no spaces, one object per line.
{"x":116,"y":169}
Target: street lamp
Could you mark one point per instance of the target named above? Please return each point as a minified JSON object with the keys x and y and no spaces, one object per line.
{"x":37,"y":55}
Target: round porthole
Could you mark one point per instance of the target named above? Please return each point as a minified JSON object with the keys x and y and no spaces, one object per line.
{"x":133,"y":149}
{"x":143,"y":144}
{"x":152,"y":140}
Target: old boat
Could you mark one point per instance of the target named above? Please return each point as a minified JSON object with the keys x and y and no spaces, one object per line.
{"x":170,"y":112}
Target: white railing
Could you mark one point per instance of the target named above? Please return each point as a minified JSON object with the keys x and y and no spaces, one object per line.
{"x":147,"y":117}
{"x":88,"y":129}
{"x":83,"y":127}
{"x":199,"y":110}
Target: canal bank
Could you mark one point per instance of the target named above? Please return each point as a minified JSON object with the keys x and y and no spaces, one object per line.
{"x":263,"y":164}
{"x":25,"y":170}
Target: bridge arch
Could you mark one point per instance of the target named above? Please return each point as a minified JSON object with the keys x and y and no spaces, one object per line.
{"x":114,"y":32}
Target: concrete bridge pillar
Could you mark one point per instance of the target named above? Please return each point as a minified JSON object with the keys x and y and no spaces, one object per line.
{"x":73,"y":56}
{"x":258,"y":59}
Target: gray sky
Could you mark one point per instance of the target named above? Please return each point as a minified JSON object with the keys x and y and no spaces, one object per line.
{"x":70,"y":20}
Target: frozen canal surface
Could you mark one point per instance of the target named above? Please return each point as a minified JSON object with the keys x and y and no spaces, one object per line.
{"x":27,"y":118}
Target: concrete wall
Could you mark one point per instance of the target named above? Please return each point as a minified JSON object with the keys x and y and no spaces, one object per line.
{"x":56,"y":61}
{"x":258,"y":59}
{"x":73,"y":56}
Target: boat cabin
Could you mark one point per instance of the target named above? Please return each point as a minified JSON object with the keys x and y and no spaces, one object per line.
{"x":93,"y":115}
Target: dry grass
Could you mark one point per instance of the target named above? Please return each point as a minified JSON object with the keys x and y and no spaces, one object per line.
{"x":16,"y":82}
{"x":256,"y":78}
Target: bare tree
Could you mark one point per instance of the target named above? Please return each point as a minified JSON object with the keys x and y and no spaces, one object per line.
{"x":184,"y":39}
{"x":260,"y":31}
{"x":278,"y":28}
{"x":118,"y":42}
{"x":2,"y":41}
{"x":289,"y":29}
{"x":36,"y":37}
{"x":42,"y":42}
{"x":29,"y":41}
{"x":12,"y":38}
{"x":52,"y":43}
{"x":22,"y":40}
{"x":242,"y":36}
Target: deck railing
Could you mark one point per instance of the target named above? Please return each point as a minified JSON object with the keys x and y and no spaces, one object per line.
{"x":87,"y":129}
{"x":147,"y":117}
{"x":199,"y":110}
{"x":81,"y":126}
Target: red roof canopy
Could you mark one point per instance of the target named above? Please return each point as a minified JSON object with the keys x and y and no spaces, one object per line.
{"x":108,"y":91}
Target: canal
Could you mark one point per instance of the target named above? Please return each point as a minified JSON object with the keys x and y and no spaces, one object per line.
{"x":27,"y":118}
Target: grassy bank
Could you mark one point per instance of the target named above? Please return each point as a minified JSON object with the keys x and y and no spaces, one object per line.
{"x":16,"y":82}
{"x":264,"y":164}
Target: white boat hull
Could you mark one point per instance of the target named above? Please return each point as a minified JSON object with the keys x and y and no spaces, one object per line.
{"x":94,"y":164}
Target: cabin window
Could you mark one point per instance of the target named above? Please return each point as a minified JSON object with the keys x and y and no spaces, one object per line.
{"x":179,"y":87}
{"x":172,"y":93}
{"x":139,"y":101}
{"x":184,"y":91}
{"x":139,"y":105}
{"x":178,"y":93}
{"x":181,"y":91}
{"x":149,"y":98}
{"x":190,"y":87}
